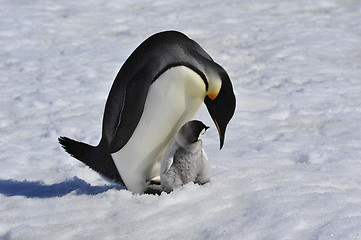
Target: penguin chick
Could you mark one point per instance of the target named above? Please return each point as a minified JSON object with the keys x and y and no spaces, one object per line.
{"x":185,"y":160}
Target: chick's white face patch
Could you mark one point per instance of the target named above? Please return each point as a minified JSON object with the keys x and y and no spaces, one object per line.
{"x":202,"y":133}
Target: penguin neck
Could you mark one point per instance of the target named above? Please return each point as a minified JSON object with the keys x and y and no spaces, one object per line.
{"x":190,"y":147}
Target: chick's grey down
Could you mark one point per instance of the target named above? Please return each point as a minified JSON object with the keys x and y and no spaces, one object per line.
{"x":185,"y":159}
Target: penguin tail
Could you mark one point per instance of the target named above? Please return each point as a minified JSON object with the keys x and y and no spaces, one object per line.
{"x":77,"y":149}
{"x":94,"y":157}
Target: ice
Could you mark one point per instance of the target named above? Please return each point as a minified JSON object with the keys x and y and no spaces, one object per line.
{"x":290,"y":167}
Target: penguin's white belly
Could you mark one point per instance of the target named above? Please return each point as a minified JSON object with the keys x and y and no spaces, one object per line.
{"x":172,"y":100}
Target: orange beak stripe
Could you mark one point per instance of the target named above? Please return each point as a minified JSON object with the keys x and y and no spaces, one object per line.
{"x":219,"y":130}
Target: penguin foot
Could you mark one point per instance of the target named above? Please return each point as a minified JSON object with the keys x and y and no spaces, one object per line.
{"x":154,"y":190}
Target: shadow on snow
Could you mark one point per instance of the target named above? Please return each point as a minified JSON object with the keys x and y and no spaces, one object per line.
{"x":37,"y":189}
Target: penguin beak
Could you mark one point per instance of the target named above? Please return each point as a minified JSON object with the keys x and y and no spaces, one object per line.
{"x":222,"y":106}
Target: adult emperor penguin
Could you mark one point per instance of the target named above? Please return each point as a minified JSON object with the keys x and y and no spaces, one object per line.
{"x":185,"y":160}
{"x":160,"y":87}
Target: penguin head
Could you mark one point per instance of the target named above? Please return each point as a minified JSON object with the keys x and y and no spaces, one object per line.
{"x":220,"y":100}
{"x":191,"y":132}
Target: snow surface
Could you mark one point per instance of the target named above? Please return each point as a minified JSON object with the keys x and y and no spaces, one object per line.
{"x":290,"y":167}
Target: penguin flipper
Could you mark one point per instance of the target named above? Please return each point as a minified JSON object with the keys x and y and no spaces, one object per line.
{"x":126,"y":100}
{"x":93,"y":157}
{"x":130,"y":115}
{"x":204,"y":174}
{"x":167,"y":164}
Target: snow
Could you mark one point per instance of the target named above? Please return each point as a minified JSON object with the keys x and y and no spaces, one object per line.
{"x":290,"y":167}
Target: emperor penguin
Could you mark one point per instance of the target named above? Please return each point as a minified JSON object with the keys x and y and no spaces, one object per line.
{"x":185,"y":160}
{"x":160,"y":87}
